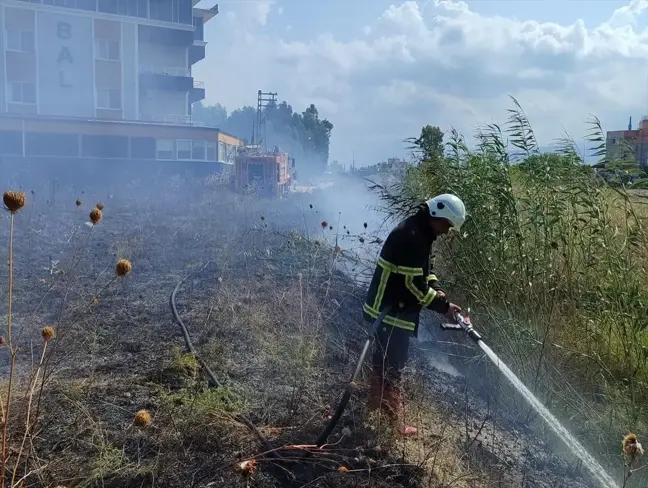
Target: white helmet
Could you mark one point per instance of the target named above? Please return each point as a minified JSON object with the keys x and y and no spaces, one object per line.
{"x":449,"y":207}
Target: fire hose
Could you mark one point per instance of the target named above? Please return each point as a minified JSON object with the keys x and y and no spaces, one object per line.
{"x":463,"y":323}
{"x":321,"y":439}
{"x":214,"y":382}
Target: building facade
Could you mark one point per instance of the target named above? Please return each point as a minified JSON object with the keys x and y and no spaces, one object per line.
{"x":106,"y":59}
{"x":622,"y":144}
{"x":104,"y":79}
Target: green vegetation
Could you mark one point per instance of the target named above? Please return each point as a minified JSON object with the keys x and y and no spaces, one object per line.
{"x":304,"y":135}
{"x":553,"y":263}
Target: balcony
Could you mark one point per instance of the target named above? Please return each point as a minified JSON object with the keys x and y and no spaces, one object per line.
{"x":165,"y":36}
{"x":197,"y":93}
{"x":161,"y":78}
{"x":172,"y":119}
{"x":206,"y":13}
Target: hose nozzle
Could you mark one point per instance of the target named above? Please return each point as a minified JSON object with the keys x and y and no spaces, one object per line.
{"x":464,"y":323}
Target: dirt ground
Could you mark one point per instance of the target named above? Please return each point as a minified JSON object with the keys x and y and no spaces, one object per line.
{"x":275,"y":320}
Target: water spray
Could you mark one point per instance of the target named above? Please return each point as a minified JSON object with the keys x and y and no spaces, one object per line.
{"x":596,"y":470}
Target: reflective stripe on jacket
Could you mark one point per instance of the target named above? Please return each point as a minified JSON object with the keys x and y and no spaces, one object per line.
{"x":402,"y":277}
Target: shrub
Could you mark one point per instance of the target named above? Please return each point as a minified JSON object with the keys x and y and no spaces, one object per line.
{"x":554,"y":262}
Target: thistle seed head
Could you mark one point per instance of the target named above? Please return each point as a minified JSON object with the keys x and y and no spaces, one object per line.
{"x":48,"y":333}
{"x":142,"y":418}
{"x":100,"y":206}
{"x":14,"y":200}
{"x":247,"y":468}
{"x":632,"y":447}
{"x":324,"y":224}
{"x":78,"y":203}
{"x":95,"y":216}
{"x":124,"y":266}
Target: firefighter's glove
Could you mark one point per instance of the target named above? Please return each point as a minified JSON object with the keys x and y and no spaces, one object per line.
{"x":453,"y":309}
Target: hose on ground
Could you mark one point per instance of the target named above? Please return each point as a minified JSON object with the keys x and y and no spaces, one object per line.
{"x":323,"y":437}
{"x":214,"y":382}
{"x":211,"y":376}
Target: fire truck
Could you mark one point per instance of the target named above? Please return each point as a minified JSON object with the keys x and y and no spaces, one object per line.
{"x":263,"y":173}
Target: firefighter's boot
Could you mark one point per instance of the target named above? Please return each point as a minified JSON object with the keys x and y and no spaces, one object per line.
{"x":395,"y":410}
{"x":375,"y":388}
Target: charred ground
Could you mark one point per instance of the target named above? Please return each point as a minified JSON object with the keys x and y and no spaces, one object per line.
{"x":275,"y":319}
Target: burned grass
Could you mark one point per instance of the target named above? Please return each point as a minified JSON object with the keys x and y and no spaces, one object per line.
{"x":125,"y":405}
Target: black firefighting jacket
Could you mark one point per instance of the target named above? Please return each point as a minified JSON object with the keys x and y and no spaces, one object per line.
{"x":403,"y":277}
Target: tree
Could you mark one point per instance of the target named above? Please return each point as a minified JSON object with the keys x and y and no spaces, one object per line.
{"x":430,"y":142}
{"x":304,"y":136}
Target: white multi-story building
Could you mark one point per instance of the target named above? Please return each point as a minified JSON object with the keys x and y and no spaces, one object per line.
{"x":113,"y":59}
{"x":103,"y":79}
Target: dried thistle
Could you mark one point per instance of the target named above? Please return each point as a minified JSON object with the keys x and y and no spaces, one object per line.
{"x":324,"y":224}
{"x":142,"y":418}
{"x":124,"y":266}
{"x":361,"y":239}
{"x":14,"y":200}
{"x":100,"y":206}
{"x":78,"y":203}
{"x":95,"y":216}
{"x":632,"y":447}
{"x":365,"y":225}
{"x":247,"y":468}
{"x":48,"y":333}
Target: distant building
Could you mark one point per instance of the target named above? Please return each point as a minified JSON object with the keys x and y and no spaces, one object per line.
{"x":104,"y":79}
{"x":631,"y":141}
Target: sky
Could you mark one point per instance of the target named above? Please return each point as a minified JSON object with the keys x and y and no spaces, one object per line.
{"x":379,"y":70}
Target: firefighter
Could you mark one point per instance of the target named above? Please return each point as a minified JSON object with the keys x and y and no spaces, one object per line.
{"x":404,"y":282}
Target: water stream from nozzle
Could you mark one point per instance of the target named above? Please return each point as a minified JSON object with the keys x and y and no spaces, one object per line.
{"x":572,"y":443}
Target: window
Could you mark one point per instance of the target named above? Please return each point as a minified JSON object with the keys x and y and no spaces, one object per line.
{"x":211,"y":150}
{"x":185,"y":12}
{"x":104,"y":147}
{"x":108,"y":6}
{"x":86,"y":4}
{"x":143,"y":147}
{"x":138,"y":8}
{"x":108,"y":50}
{"x":184,"y":149}
{"x":198,"y":151}
{"x":109,"y":98}
{"x":22,"y":92}
{"x":51,"y":144}
{"x":11,"y":143}
{"x":179,"y":11}
{"x":165,"y":148}
{"x":162,"y":10}
{"x":20,"y":40}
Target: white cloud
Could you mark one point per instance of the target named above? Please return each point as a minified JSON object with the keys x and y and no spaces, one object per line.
{"x":437,"y":63}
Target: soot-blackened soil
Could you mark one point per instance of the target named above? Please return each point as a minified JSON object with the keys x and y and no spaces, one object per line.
{"x":277,"y":323}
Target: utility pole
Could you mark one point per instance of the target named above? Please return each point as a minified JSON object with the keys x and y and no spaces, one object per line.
{"x":264,"y":100}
